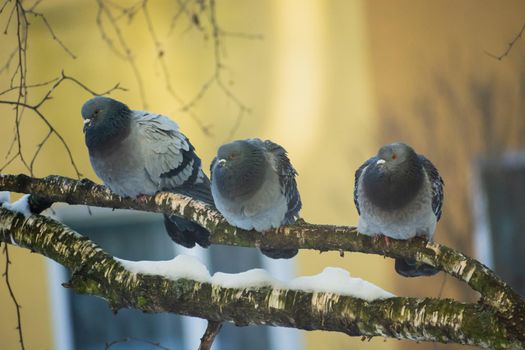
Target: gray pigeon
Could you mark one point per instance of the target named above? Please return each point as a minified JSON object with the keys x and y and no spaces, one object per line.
{"x":253,"y":185}
{"x":399,"y":194}
{"x":140,"y":153}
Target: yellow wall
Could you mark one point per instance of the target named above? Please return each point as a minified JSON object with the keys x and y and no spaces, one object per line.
{"x":438,"y":89}
{"x":323,"y":82}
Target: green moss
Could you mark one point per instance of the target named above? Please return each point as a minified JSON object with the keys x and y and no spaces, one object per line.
{"x":141,"y":301}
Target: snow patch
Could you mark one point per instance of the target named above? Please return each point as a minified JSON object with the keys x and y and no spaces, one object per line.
{"x":5,"y":197}
{"x":338,"y":281}
{"x":182,"y":266}
{"x":331,"y":280}
{"x":20,"y":206}
{"x":250,"y":278}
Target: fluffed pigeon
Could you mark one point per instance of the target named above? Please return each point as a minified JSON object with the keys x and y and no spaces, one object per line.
{"x":253,"y":185}
{"x":140,"y":153}
{"x":399,"y":194}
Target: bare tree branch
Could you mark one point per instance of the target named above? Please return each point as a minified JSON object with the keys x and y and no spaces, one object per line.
{"x":97,"y":273}
{"x":494,"y":292}
{"x":51,"y":129}
{"x":209,"y":335}
{"x":127,"y":53}
{"x":110,"y":344}
{"x":13,"y":297}
{"x":510,"y":45}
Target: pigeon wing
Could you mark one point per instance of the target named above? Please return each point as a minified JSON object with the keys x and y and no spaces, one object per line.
{"x":358,"y":174}
{"x":437,"y":184}
{"x":287,"y":174}
{"x":170,"y":160}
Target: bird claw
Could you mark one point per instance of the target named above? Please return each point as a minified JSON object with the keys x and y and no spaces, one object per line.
{"x":380,"y":237}
{"x":142,"y":198}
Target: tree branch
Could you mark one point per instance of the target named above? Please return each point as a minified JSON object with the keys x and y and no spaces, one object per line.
{"x":209,"y":335}
{"x":97,"y":273}
{"x":302,"y":235}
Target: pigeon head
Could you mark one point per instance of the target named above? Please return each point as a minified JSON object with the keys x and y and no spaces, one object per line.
{"x":106,"y":122}
{"x":395,"y":155}
{"x":395,"y":177}
{"x":240,"y":169}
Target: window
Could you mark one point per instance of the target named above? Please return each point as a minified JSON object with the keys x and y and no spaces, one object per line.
{"x":499,"y":208}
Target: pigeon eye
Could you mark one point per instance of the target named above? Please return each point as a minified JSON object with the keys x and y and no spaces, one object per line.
{"x":394,"y":156}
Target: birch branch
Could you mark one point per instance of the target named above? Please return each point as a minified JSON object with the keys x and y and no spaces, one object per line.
{"x":97,"y":273}
{"x":494,"y":292}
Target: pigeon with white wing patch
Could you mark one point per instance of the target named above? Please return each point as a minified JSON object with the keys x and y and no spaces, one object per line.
{"x":253,"y":185}
{"x":399,"y":194}
{"x":140,"y":153}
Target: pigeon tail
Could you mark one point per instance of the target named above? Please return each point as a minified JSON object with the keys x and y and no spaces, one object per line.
{"x":280,"y":253}
{"x":186,"y":233}
{"x":201,"y":192}
{"x":411,"y":268}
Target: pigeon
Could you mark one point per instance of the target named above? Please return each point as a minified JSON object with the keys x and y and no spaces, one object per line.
{"x":399,"y":194}
{"x":139,"y":153}
{"x":253,"y":186}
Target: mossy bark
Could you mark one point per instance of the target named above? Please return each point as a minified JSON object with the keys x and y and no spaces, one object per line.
{"x":494,"y":292}
{"x":97,"y":273}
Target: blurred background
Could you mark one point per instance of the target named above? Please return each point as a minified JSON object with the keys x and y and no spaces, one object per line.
{"x":331,"y":81}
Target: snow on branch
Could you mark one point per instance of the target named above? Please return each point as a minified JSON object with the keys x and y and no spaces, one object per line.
{"x":97,"y":273}
{"x":504,"y":301}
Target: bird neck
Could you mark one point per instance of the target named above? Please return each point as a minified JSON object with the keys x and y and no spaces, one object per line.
{"x":242,"y":180}
{"x":108,"y":133}
{"x":394,"y":188}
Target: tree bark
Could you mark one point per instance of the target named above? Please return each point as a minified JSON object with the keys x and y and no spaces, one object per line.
{"x":497,"y":322}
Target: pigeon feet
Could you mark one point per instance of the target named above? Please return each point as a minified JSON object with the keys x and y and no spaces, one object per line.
{"x":142,"y":198}
{"x":379,"y":237}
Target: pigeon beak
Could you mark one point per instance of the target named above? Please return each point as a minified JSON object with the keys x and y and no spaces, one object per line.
{"x":87,"y":123}
{"x":380,"y":162}
{"x":221,"y":162}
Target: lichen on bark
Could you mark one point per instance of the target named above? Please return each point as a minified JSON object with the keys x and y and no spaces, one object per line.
{"x":497,"y":322}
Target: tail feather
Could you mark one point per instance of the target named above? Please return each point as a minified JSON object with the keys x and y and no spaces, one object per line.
{"x":181,"y":230}
{"x":201,"y":192}
{"x":411,"y":268}
{"x":185,"y":232}
{"x":280,"y":254}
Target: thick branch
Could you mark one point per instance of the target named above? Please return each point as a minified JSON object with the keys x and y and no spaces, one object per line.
{"x":303,"y":235}
{"x":97,"y":273}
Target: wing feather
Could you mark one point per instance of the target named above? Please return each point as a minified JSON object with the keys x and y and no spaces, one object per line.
{"x":358,"y":174}
{"x":437,"y":184}
{"x":170,"y":159}
{"x":287,"y":174}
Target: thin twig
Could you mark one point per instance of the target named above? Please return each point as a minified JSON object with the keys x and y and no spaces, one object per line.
{"x":134,"y":339}
{"x":51,"y":129}
{"x":13,"y":297}
{"x":52,"y":32}
{"x":216,"y":77}
{"x":442,"y":286}
{"x":209,"y":335}
{"x":182,"y":9}
{"x":509,"y":45}
{"x":4,"y":5}
{"x":160,"y":54}
{"x":12,"y":55}
{"x":128,"y":55}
